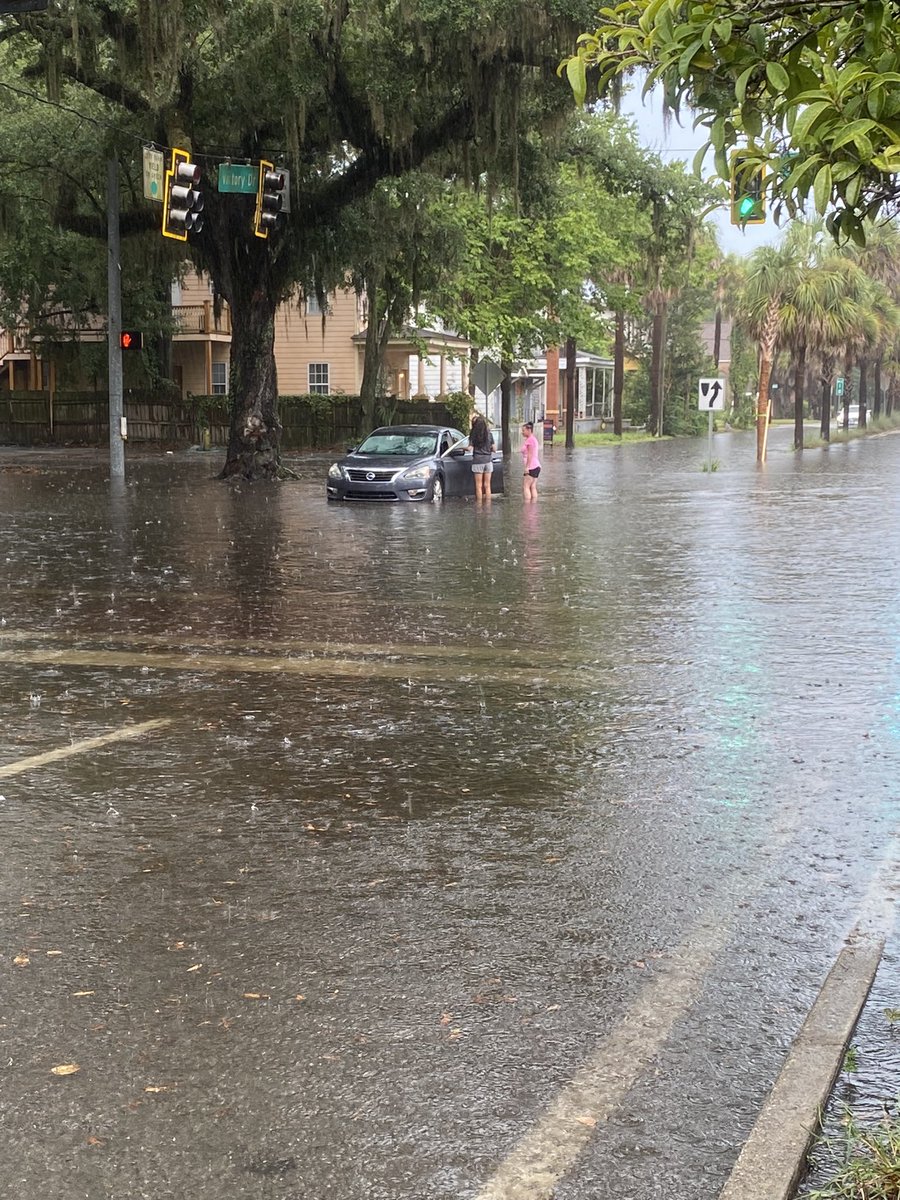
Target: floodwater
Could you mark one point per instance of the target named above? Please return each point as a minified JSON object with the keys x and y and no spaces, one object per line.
{"x":417,"y":853}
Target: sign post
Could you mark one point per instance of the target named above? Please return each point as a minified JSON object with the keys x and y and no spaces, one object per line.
{"x":711,"y":396}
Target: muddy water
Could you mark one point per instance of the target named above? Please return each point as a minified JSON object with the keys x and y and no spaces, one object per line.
{"x":436,"y":799}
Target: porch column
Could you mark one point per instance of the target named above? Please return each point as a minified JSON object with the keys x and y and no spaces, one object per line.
{"x":420,"y":385}
{"x":208,"y":348}
{"x":464,"y":373}
{"x":443,"y":386}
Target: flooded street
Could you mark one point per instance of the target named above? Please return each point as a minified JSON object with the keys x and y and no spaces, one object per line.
{"x":416,"y":853}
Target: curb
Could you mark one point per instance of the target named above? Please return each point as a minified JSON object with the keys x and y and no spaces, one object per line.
{"x":773,"y":1158}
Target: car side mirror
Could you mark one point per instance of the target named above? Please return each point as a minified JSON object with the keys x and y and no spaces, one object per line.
{"x":458,"y":452}
{"x":351,"y":449}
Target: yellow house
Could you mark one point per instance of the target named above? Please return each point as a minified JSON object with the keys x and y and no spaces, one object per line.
{"x":314,"y":352}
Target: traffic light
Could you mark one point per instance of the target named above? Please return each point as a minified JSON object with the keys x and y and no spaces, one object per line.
{"x":182,"y":201}
{"x":748,"y":192}
{"x":130,"y":339}
{"x":268,"y":199}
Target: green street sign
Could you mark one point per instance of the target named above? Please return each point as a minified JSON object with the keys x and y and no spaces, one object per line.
{"x":238,"y":177}
{"x":839,"y":386}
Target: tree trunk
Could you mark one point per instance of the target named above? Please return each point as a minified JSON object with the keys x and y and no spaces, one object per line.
{"x":848,"y":391}
{"x":657,"y":340}
{"x":799,"y":395}
{"x":876,"y":410}
{"x":618,"y":372}
{"x":825,"y":420}
{"x":717,"y":336}
{"x":255,"y":433}
{"x":766,"y":355}
{"x":863,"y":390}
{"x":369,"y":385}
{"x":571,"y":351}
{"x":505,"y":400}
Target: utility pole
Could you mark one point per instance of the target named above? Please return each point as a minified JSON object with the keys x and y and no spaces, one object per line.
{"x":114,"y":311}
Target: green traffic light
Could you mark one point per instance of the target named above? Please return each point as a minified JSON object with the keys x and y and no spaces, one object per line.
{"x":747,"y":206}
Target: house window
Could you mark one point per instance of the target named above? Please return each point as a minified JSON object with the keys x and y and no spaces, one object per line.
{"x":318,"y":377}
{"x":313,"y":306}
{"x":220,"y":378}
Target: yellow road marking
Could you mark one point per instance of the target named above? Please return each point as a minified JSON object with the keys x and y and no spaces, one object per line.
{"x":311,"y":667}
{"x":127,"y":733}
{"x":296,"y":646}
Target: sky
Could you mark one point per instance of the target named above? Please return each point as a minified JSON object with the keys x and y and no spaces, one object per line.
{"x":682,"y":141}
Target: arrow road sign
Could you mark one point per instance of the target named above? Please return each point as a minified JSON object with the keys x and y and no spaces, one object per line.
{"x":712,"y":395}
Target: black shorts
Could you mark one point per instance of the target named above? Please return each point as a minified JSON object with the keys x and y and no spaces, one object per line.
{"x":534,"y":472}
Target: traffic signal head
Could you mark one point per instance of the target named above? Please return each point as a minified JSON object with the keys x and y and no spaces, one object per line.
{"x":182,"y":200}
{"x":130,"y":339}
{"x":268,"y":199}
{"x":748,"y":195}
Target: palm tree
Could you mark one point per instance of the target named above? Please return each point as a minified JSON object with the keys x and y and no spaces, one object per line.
{"x":880,"y":259}
{"x":824,"y":314}
{"x":772,"y":273}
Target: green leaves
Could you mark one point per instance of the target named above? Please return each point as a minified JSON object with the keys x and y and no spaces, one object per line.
{"x":819,"y":81}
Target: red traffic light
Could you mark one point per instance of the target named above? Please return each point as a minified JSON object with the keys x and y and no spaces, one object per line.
{"x":129,"y":340}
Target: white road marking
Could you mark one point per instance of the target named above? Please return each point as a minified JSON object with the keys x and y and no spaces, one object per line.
{"x":127,"y":733}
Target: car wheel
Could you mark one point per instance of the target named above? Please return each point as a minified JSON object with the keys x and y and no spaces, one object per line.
{"x":437,"y":490}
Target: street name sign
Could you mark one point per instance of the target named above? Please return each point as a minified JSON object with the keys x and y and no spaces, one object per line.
{"x":712,"y":395}
{"x":239,"y":177}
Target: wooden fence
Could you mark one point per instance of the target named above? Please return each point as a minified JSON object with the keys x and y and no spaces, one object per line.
{"x":82,"y":419}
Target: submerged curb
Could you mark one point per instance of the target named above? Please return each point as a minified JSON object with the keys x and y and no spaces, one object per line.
{"x":772,"y":1160}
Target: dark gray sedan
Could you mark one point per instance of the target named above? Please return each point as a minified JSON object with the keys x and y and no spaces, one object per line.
{"x":408,"y":462}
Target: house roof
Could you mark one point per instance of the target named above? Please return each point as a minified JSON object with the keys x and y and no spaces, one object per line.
{"x":435,"y":338}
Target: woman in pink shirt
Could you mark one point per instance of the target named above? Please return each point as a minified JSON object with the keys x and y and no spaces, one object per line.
{"x":531,"y":461}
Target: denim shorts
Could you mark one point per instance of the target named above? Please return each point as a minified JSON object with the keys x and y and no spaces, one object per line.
{"x":482,"y":468}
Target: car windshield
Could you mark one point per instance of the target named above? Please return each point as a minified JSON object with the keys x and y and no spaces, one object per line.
{"x":385,"y":441}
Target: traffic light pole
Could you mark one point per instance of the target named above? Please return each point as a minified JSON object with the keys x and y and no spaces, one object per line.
{"x":114,"y":311}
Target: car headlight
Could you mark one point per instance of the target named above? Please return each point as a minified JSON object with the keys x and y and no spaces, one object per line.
{"x":419,"y":473}
{"x":335,"y":471}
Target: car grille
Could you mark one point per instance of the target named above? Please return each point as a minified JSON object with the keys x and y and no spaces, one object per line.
{"x":363,"y":475}
{"x":370,"y":495}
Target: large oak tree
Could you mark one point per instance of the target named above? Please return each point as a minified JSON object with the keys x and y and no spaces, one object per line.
{"x":344,"y":93}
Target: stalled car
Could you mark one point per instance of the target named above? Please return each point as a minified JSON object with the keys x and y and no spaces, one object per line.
{"x":400,"y":463}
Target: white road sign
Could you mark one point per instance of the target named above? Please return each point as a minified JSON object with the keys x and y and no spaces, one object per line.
{"x":712,"y":395}
{"x":153,"y":174}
